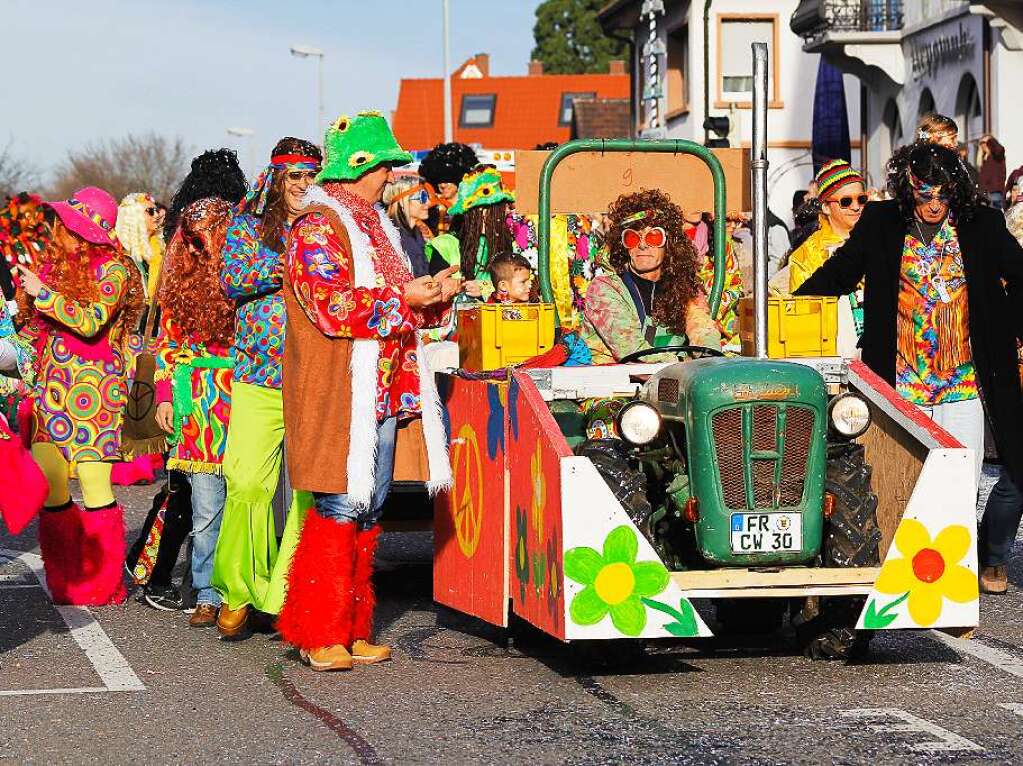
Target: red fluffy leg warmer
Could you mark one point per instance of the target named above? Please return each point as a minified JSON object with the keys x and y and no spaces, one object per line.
{"x":60,"y":529}
{"x":365,"y":597}
{"x":101,"y":551}
{"x":317,"y":609}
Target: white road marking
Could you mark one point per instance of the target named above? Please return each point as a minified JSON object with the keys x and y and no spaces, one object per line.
{"x":1004,"y":661}
{"x":79,"y":690}
{"x":944,"y":740}
{"x":108,"y":662}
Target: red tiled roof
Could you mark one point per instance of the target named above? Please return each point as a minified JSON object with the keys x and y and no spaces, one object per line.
{"x":601,"y":118}
{"x":526,"y":108}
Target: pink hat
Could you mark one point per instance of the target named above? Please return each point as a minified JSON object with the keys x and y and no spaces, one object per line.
{"x":91,"y":213}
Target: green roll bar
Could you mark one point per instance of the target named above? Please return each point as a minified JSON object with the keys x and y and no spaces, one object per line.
{"x":670,"y":146}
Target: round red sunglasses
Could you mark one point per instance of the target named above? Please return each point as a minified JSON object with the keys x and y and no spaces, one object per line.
{"x":655,"y":237}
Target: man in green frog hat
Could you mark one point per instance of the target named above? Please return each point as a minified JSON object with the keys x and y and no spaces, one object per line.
{"x":351,"y":376}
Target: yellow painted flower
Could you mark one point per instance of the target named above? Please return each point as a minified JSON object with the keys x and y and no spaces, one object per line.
{"x":539,"y":492}
{"x":358,"y":159}
{"x":929,"y":569}
{"x":370,"y":113}
{"x":342,"y":123}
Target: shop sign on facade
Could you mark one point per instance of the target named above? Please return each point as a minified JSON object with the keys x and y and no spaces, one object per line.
{"x":928,"y":56}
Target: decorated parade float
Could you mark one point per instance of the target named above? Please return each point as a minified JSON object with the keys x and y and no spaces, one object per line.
{"x":600,"y":502}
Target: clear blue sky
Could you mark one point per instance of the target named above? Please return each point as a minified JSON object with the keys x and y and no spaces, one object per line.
{"x":74,"y":72}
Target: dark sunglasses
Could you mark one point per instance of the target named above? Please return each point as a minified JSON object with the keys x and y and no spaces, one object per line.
{"x":923,"y":199}
{"x":298,"y":175}
{"x":846,"y":202}
{"x":151,"y":211}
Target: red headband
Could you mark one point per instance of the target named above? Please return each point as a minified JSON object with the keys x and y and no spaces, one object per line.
{"x":293,"y":159}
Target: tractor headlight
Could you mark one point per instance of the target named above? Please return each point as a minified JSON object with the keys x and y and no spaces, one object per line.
{"x":639,"y":423}
{"x":849,"y":415}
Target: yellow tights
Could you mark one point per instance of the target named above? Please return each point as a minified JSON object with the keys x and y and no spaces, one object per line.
{"x":93,"y":477}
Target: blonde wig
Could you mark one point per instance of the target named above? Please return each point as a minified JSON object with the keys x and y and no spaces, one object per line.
{"x":397,"y":208}
{"x":131,"y":227}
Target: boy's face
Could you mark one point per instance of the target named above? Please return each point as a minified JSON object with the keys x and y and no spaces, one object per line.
{"x":519,"y":286}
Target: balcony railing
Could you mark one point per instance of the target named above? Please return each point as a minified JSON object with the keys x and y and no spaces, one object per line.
{"x":813,"y":18}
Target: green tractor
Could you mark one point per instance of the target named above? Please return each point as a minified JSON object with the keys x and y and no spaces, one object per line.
{"x":735,"y":463}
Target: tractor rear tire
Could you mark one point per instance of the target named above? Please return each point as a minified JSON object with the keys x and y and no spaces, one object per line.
{"x":851,"y":535}
{"x":852,"y":538}
{"x":610,"y":456}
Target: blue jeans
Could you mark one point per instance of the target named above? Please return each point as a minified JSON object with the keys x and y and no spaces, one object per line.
{"x":1002,"y":515}
{"x":339,"y":508}
{"x":208,"y":495}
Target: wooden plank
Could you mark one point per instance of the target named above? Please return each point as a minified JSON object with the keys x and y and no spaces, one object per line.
{"x":787,"y":591}
{"x":589,"y":183}
{"x":470,"y":543}
{"x":897,"y":458}
{"x":730,"y":579}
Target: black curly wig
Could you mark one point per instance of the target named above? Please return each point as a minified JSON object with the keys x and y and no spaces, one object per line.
{"x":447,"y":163}
{"x":214,"y":173}
{"x":938,"y":166}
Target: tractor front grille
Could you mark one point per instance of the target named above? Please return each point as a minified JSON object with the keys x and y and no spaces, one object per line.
{"x":667,"y":390}
{"x":762,"y":452}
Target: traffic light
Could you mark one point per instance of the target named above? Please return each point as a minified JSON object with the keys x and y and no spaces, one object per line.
{"x":719,"y":126}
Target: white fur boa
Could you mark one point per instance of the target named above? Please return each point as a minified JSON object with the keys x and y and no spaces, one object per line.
{"x":362,"y":448}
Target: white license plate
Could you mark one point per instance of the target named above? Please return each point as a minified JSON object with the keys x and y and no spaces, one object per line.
{"x":766,"y":532}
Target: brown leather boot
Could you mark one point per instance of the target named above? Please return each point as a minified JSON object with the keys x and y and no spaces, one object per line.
{"x":994,"y":580}
{"x":365,"y":653}
{"x":204,"y":616}
{"x":231,"y":623}
{"x":327,"y":658}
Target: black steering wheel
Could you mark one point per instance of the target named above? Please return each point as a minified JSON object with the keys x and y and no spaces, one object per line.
{"x":693,"y":352}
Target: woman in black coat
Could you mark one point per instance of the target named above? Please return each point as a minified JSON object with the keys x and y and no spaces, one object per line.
{"x":930,"y":184}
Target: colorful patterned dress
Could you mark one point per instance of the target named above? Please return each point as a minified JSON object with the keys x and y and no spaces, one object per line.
{"x":82,"y":372}
{"x":934,"y":364}
{"x":728,"y":317}
{"x":196,"y":378}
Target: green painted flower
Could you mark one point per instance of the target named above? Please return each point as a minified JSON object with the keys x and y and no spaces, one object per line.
{"x":615,"y":582}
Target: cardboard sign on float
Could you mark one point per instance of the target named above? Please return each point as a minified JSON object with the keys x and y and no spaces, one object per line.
{"x":590,"y":182}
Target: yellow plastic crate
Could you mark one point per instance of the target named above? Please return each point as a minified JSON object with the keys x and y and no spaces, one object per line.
{"x":796,"y":327}
{"x":492,"y":336}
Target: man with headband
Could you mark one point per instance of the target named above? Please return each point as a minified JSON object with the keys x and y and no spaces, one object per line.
{"x":943,"y":282}
{"x":252,"y":275}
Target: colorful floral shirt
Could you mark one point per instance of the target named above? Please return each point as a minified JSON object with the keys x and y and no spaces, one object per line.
{"x":576,"y":257}
{"x":612,"y":329}
{"x":201,"y":397}
{"x":934,"y":364}
{"x":252,"y":275}
{"x":322,"y":274}
{"x":728,"y":317}
{"x":82,"y":370}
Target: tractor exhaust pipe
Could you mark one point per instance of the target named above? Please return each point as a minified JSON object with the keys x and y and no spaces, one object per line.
{"x":758,"y":168}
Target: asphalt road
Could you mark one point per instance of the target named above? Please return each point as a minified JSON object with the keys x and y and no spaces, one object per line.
{"x":136,"y":686}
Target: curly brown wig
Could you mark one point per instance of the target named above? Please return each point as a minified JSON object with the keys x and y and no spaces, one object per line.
{"x":191,"y":294}
{"x":680,"y":283}
{"x":70,"y":273}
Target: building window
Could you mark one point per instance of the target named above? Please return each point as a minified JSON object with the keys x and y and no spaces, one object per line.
{"x":477,"y":111}
{"x":969,"y":114}
{"x":892,"y":121}
{"x":677,"y":76}
{"x":926,"y":104}
{"x":736,"y":33}
{"x":565,"y":115}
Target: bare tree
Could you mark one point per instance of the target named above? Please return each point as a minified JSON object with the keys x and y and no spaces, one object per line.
{"x":136,"y":163}
{"x":16,"y":175}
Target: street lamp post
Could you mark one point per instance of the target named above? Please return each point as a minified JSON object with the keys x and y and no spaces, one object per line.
{"x":245,"y":134}
{"x":448,"y":129}
{"x":303,"y":52}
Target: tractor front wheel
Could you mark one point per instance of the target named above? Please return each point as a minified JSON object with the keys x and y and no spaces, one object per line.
{"x":851,"y":539}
